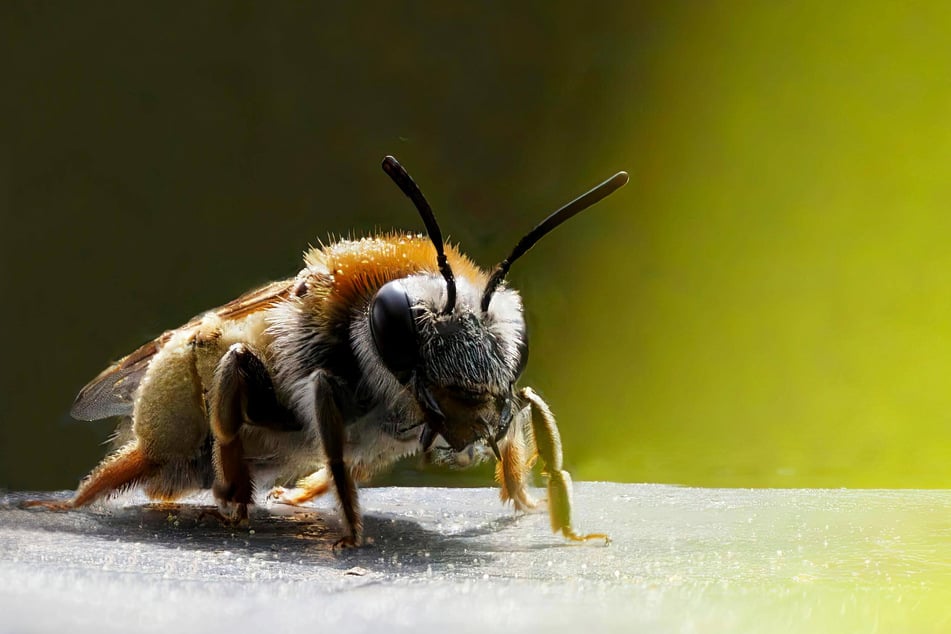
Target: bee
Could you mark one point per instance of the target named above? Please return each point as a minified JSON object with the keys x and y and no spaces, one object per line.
{"x":380,"y":348}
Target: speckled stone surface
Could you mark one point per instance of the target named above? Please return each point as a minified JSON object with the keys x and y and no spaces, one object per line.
{"x":455,"y":560}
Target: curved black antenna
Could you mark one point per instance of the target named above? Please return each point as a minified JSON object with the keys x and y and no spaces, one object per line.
{"x":406,"y":183}
{"x":576,"y":206}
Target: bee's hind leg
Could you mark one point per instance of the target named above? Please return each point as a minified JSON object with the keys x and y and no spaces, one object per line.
{"x":242,"y":393}
{"x":122,"y":469}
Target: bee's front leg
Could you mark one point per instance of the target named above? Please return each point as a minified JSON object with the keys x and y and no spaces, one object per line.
{"x":548,"y":444}
{"x":329,"y":422}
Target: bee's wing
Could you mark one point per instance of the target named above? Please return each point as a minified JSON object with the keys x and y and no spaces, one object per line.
{"x":253,"y":301}
{"x":112,"y":393}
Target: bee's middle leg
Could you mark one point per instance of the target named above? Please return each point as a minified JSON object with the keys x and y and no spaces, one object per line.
{"x":242,"y":393}
{"x":333,"y":435}
{"x":512,"y":471}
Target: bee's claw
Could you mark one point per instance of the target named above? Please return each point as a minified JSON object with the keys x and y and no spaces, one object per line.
{"x":288,"y":497}
{"x":238,"y":518}
{"x":575,"y":537}
{"x":214,"y":514}
{"x":346,"y":543}
{"x":306,"y":490}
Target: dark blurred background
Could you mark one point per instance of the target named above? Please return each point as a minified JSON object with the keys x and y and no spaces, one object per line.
{"x":765,"y":304}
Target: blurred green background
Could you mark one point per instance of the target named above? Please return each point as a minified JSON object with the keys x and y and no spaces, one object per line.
{"x":767,"y":303}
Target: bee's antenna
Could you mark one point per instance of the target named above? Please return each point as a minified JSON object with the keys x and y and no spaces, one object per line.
{"x":405,"y":182}
{"x":576,"y":206}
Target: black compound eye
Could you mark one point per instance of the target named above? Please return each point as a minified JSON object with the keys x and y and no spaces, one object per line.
{"x":522,"y":352}
{"x":393,"y":326}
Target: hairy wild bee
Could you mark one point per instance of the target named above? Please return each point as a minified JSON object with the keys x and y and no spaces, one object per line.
{"x":378,"y":349}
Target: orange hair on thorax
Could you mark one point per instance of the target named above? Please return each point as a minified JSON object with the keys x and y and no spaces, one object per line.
{"x":351,"y":270}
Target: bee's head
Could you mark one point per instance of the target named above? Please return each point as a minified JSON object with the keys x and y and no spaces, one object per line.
{"x":460,"y":366}
{"x":458,"y":347}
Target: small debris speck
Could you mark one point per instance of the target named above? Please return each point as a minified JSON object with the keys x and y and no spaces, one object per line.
{"x":357,"y":571}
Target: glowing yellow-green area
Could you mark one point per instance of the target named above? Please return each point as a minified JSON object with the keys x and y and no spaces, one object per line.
{"x":771,"y":304}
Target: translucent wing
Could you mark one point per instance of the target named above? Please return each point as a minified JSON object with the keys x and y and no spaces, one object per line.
{"x":252,"y":301}
{"x":112,"y":393}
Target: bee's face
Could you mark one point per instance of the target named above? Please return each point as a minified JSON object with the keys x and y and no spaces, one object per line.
{"x":460,"y":366}
{"x":456,"y":347}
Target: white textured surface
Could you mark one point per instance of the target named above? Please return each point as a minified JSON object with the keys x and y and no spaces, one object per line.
{"x":453,"y":560}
